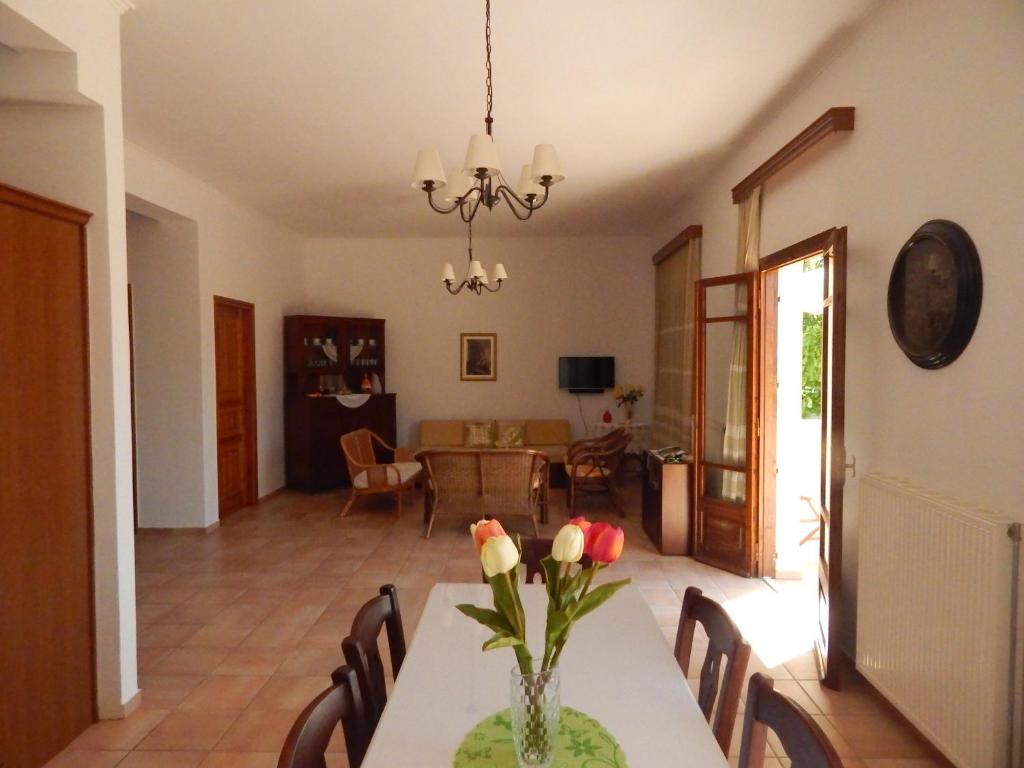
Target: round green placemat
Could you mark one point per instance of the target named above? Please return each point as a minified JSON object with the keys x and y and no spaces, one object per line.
{"x":582,"y":743}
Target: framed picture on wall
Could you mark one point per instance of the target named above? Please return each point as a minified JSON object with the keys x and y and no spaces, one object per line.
{"x":479,"y":358}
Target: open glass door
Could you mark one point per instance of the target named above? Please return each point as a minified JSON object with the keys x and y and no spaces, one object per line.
{"x":725,"y":448}
{"x":833,"y":456}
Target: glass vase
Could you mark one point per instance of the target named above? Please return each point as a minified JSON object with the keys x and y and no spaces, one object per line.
{"x":535,"y":717}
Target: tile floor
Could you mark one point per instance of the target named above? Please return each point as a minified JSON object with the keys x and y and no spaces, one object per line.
{"x":240,"y":628}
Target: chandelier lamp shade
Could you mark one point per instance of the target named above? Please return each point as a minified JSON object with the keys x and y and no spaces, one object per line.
{"x":476,"y":276}
{"x":480,"y":180}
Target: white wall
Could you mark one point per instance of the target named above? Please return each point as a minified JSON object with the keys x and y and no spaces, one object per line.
{"x":76,"y":155}
{"x":163,"y":269}
{"x":242,"y":256}
{"x":565,"y":296}
{"x":940,"y":105}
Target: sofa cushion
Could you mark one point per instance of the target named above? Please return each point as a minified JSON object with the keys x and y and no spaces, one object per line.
{"x":510,"y":434}
{"x":478,"y":434}
{"x":396,"y":474}
{"x":441,"y":434}
{"x":547,"y":432}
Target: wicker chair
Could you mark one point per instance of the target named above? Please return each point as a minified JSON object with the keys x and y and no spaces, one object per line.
{"x":485,"y":483}
{"x":593,"y":465}
{"x":368,"y":476}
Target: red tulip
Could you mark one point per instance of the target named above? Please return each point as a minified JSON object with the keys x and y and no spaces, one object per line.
{"x":581,"y":522}
{"x":604,"y":543}
{"x":484,"y":530}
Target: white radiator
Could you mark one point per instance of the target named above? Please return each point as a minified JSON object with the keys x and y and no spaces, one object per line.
{"x":937,"y":618}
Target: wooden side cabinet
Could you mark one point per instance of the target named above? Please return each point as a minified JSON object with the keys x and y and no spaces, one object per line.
{"x":325,"y":356}
{"x":666,"y":504}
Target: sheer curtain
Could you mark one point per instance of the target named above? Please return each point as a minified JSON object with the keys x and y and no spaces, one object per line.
{"x":675,"y":278}
{"x":734,"y":448}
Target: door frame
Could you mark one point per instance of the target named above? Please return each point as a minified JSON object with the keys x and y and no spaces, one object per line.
{"x":768,"y":268}
{"x":252,"y":492}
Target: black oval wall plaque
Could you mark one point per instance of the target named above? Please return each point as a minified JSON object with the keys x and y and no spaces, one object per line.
{"x":935,"y":294}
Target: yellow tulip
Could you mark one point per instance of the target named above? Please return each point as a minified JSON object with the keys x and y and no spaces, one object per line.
{"x":498,"y":555}
{"x":568,"y":544}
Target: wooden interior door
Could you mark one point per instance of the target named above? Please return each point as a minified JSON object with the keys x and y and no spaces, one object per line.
{"x":235,"y":351}
{"x":833,"y":456}
{"x":725,"y":519}
{"x":47,"y":640}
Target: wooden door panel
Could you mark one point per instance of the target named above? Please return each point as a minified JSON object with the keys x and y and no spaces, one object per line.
{"x":833,"y":457}
{"x":47,"y":689}
{"x":725,"y":451}
{"x":234,"y":332}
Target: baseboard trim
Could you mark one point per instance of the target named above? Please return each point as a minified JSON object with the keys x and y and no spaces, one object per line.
{"x":272,"y":494}
{"x":133,"y":703}
{"x":197,"y":531}
{"x":124,"y":710}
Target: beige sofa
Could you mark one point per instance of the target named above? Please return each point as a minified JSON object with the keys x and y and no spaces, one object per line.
{"x":549,"y":436}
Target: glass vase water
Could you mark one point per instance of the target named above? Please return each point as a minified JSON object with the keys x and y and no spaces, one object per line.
{"x":535,"y":717}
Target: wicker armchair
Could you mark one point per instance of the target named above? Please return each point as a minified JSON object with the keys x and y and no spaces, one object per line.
{"x":593,"y":465}
{"x":485,"y":483}
{"x":369,"y":476}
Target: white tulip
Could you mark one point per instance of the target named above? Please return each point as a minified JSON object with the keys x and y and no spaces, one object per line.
{"x":568,"y":544}
{"x":499,"y":555}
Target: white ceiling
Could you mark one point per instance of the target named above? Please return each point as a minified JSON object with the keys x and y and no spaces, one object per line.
{"x":312,"y":110}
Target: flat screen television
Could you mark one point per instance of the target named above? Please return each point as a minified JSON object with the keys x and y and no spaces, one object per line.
{"x":585,"y":375}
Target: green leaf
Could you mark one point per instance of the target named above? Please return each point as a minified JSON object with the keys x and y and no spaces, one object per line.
{"x":595,"y":599}
{"x":550,"y":566}
{"x":501,"y":641}
{"x":571,"y":591}
{"x":490,"y":619}
{"x":558,"y":622}
{"x":506,"y":599}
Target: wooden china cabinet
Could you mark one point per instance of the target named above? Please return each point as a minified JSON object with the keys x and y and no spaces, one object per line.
{"x":325,"y":357}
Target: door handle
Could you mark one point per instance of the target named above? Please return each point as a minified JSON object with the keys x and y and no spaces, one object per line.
{"x":852,"y":466}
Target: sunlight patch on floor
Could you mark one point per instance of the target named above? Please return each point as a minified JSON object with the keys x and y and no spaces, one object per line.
{"x":778,"y":625}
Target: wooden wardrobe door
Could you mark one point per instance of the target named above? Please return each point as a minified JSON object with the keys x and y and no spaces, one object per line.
{"x":47,"y":655}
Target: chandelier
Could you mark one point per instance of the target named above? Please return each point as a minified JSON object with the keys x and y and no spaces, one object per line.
{"x":476,"y":276}
{"x":480,"y":180}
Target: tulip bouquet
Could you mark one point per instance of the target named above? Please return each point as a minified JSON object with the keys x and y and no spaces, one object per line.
{"x":570,"y":587}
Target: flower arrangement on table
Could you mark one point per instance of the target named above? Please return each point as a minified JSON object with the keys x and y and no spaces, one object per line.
{"x":628,"y":395}
{"x":571,"y":596}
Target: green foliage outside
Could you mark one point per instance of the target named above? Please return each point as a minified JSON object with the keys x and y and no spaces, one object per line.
{"x":810,"y":392}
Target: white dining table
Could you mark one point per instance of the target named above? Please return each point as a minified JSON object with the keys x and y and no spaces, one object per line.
{"x":616,"y":668}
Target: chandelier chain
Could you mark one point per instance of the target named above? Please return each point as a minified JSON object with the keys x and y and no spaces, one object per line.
{"x":490,"y":86}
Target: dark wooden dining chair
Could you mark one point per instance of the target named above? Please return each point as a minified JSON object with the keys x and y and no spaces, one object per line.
{"x":806,"y":745}
{"x":725,"y":641}
{"x":535,"y":550}
{"x":307,"y":741}
{"x":362,"y":649}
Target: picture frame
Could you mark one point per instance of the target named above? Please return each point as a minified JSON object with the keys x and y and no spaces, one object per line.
{"x":478,"y":357}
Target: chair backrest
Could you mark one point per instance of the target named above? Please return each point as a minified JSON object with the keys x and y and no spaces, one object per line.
{"x":307,"y":741}
{"x":358,"y":449}
{"x":725,"y":641}
{"x":452,"y":474}
{"x":362,"y":648}
{"x":596,"y":443}
{"x":535,"y":550}
{"x":806,"y":745}
{"x":617,"y":447}
{"x":509,"y":473}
